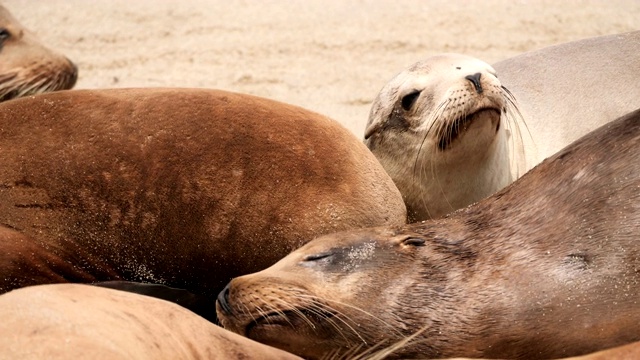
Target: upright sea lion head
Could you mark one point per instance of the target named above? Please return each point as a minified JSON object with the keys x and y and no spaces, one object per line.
{"x":440,"y":129}
{"x":26,"y":66}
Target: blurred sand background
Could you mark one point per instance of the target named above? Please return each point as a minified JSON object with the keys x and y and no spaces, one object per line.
{"x":330,"y":56}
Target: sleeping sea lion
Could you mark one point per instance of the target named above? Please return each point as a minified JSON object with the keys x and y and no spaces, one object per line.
{"x":546,"y":268}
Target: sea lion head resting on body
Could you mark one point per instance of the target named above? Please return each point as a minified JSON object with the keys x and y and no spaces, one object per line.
{"x":26,"y":66}
{"x":546,"y":268}
{"x":73,"y":321}
{"x":181,"y":187}
{"x":441,"y":129}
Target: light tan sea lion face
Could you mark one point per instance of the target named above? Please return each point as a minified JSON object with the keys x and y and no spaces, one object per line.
{"x":439,"y":130}
{"x":26,"y":66}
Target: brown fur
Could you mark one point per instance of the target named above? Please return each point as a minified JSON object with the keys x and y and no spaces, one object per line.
{"x":72,"y":321}
{"x":624,"y":352}
{"x":182,"y":187}
{"x":546,"y":268}
{"x":26,"y":66}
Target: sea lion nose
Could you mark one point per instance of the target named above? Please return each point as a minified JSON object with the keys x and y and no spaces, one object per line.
{"x":475,"y":80}
{"x":223,"y":300}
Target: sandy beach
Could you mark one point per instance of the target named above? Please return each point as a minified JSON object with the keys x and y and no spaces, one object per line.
{"x":328,"y":56}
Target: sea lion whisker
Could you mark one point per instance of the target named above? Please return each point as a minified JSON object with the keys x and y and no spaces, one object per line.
{"x":289,"y":308}
{"x":321,"y":309}
{"x":245,"y":310}
{"x":440,"y":109}
{"x":350,"y":354}
{"x":327,"y":300}
{"x":384,"y":353}
{"x":5,"y":78}
{"x":515,"y":120}
{"x":431,"y":121}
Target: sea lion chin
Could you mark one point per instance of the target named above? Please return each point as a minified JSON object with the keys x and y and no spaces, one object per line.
{"x":545,"y":268}
{"x":26,"y":66}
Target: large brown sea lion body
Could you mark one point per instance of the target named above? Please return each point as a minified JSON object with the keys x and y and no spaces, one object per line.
{"x":26,"y":66}
{"x":448,"y":130}
{"x":546,"y":268}
{"x":74,"y":321}
{"x":186,"y":188}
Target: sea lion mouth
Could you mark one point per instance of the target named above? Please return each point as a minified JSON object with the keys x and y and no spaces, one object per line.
{"x":288,"y":318}
{"x":456,"y":128}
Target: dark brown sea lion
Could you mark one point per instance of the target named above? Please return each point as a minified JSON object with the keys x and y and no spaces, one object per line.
{"x":74,"y":321}
{"x":26,"y":66}
{"x":546,"y":268}
{"x":181,"y":187}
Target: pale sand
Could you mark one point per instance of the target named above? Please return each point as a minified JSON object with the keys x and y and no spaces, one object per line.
{"x":329,"y":56}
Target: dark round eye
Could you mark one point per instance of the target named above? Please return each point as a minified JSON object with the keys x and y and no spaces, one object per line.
{"x":410,"y":99}
{"x":316,"y":257}
{"x":4,"y":34}
{"x":413,"y":241}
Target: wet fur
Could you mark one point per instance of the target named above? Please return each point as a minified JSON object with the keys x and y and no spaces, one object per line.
{"x":546,"y":268}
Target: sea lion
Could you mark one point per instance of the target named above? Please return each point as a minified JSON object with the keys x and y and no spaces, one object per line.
{"x":443,"y":154}
{"x":74,"y":321}
{"x":26,"y":66}
{"x":546,"y":268}
{"x":181,"y":187}
{"x":417,"y":129}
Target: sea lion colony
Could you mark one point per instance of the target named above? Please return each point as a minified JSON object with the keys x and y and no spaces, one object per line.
{"x":15,"y":234}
